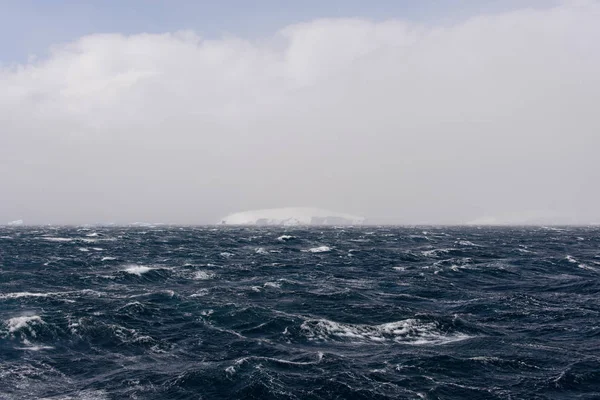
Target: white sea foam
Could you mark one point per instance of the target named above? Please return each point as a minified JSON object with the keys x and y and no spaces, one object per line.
{"x":243,"y":360}
{"x":230,"y":370}
{"x":17,"y":323}
{"x":83,"y":395}
{"x":284,"y":238}
{"x":272,"y":284}
{"x":261,"y":250}
{"x":137,"y":269}
{"x":581,"y":265}
{"x":56,"y":239}
{"x":108,"y":258}
{"x":18,"y":295}
{"x":200,"y":293}
{"x":203,"y":275}
{"x":467,"y":243}
{"x":409,"y":331}
{"x":320,"y":249}
{"x":436,"y":252}
{"x":33,"y":347}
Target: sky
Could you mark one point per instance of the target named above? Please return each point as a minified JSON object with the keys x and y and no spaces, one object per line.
{"x":404,"y":112}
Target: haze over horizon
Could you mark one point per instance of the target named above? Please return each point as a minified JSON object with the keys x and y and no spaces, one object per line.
{"x":481,"y":112}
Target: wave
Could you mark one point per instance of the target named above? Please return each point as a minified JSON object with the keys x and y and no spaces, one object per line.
{"x":320,"y":249}
{"x":18,"y":295}
{"x":272,"y":285}
{"x":203,"y":275}
{"x":581,"y":265}
{"x":232,"y":368}
{"x":285,"y":238}
{"x":408,"y":331}
{"x":17,"y":323}
{"x":56,"y":239}
{"x":138,"y":269}
{"x":438,"y":252}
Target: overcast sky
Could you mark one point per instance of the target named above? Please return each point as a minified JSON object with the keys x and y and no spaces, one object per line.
{"x":182,"y":112}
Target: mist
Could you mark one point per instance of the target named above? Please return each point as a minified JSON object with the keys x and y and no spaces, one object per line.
{"x":493,"y":119}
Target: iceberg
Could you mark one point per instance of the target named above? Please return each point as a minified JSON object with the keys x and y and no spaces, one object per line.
{"x":291,"y":216}
{"x":18,"y":222}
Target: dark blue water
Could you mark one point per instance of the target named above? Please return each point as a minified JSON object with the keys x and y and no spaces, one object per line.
{"x":369,"y":313}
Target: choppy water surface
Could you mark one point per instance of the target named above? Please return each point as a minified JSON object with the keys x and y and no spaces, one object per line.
{"x":369,"y":313}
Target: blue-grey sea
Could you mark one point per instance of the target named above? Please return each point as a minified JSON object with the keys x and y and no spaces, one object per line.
{"x":162,"y":312}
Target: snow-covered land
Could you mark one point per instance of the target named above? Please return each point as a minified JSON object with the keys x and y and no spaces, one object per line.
{"x":291,"y":216}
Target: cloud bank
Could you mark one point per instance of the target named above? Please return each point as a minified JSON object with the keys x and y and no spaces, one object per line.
{"x":395,"y":121}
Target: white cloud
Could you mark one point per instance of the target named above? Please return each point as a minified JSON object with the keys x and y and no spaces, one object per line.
{"x":495,"y":115}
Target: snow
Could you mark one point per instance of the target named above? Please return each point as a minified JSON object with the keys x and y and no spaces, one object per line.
{"x":291,"y":216}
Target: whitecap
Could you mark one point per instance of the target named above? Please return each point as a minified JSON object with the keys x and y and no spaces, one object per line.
{"x":230,"y":370}
{"x":284,"y":238}
{"x":203,"y":275}
{"x":320,"y":249}
{"x":18,"y":295}
{"x":409,"y":331}
{"x":521,"y":250}
{"x":17,"y":323}
{"x":137,"y":269}
{"x":581,"y":265}
{"x":56,"y":239}
{"x":261,"y":250}
{"x":436,"y":252}
{"x":200,"y":293}
{"x":272,"y":284}
{"x":467,"y":243}
{"x":108,"y":258}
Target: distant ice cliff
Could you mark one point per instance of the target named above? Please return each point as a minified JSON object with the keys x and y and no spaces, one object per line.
{"x":291,"y":216}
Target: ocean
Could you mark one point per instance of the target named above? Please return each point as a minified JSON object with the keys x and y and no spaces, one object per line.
{"x":161,"y":312}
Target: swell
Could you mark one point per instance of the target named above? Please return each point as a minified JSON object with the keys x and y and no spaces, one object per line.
{"x":423,"y":312}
